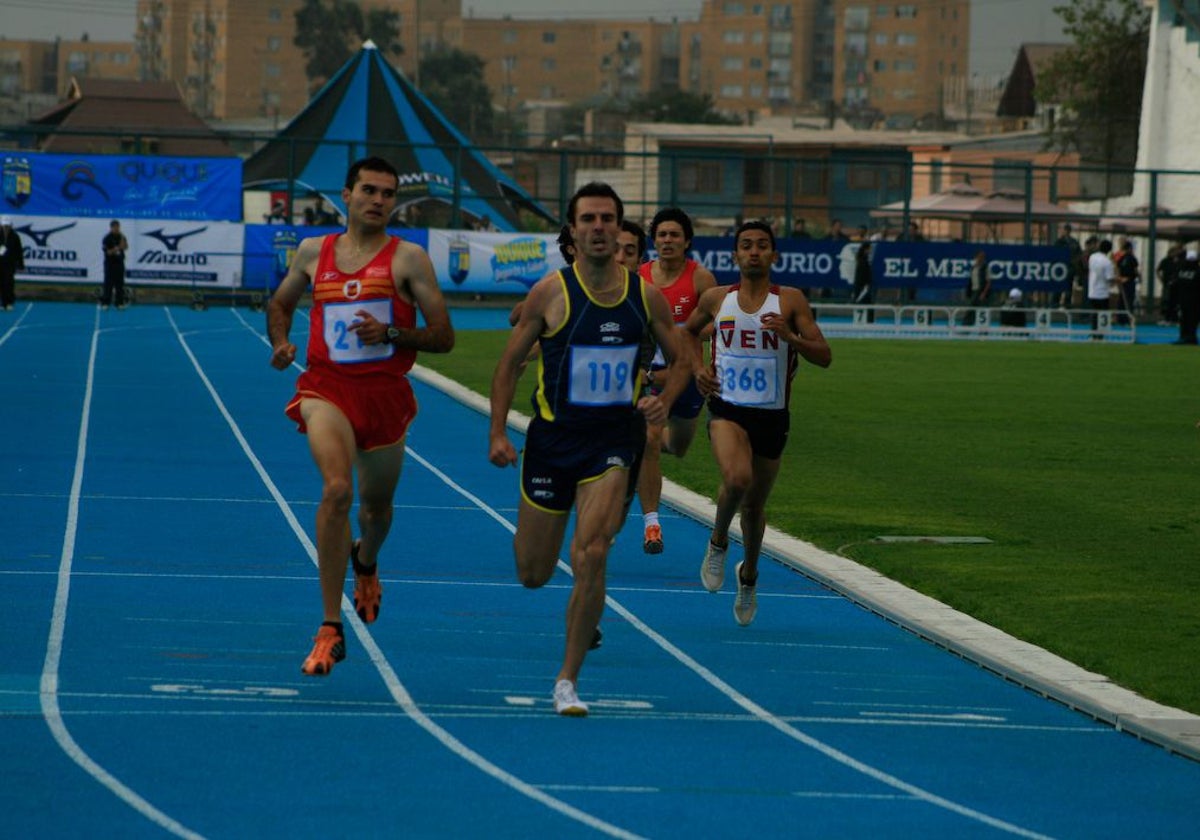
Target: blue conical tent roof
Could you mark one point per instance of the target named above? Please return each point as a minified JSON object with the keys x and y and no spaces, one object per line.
{"x":370,"y":108}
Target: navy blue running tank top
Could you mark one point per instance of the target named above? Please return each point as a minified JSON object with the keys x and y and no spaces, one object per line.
{"x":588,"y":372}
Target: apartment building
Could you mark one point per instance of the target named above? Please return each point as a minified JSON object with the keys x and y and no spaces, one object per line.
{"x":576,"y":61}
{"x":237,"y":60}
{"x":899,"y":59}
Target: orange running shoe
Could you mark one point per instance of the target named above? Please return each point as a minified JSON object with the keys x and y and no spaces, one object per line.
{"x":652,"y":542}
{"x":330,"y":648}
{"x":368,"y":592}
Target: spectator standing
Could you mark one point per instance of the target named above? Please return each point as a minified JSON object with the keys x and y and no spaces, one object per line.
{"x":12,"y":260}
{"x":979,"y":287}
{"x":114,"y":245}
{"x":1076,"y":265}
{"x":800,"y":230}
{"x":1128,"y":273}
{"x":1101,"y":276}
{"x":1168,"y":273}
{"x":836,"y":233}
{"x":1188,"y":280}
{"x":864,"y":286}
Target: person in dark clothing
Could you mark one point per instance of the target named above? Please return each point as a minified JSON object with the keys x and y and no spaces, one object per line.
{"x":1187,"y":281}
{"x":1168,"y":272}
{"x":1128,"y":274}
{"x":12,"y":260}
{"x":115,"y":245}
{"x":864,"y":287}
{"x":1076,"y":266}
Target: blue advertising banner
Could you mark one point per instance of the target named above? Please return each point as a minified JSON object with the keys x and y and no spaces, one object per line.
{"x":122,"y":186}
{"x":945,"y":266}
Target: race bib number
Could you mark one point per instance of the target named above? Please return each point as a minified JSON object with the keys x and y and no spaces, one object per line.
{"x":602,"y":375}
{"x":345,"y":347}
{"x":749,"y":380}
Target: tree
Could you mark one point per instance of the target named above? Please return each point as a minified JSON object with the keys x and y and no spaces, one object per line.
{"x":453,"y":81}
{"x":330,"y":31}
{"x":1097,"y":81}
{"x":675,"y":106}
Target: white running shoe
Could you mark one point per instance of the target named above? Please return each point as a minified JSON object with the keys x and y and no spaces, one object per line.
{"x":712,"y":570}
{"x":745,"y":605}
{"x":566,"y":701}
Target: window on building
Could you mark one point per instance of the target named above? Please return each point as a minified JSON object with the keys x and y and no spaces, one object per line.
{"x":732,"y":7}
{"x":274,"y":43}
{"x":812,"y":177}
{"x":905,"y":65}
{"x":906,"y":39}
{"x":731,"y":91}
{"x":779,"y":93}
{"x":881,"y":39}
{"x":754,"y":176}
{"x":731,"y":63}
{"x":857,"y":18}
{"x":862,"y":176}
{"x":906,"y":11}
{"x":734,"y":36}
{"x":883,"y":11}
{"x":549,"y":37}
{"x":508,"y":36}
{"x":699,"y":176}
{"x":1008,"y":175}
{"x":756,"y":38}
{"x":549,"y":64}
{"x":879,"y":65}
{"x":755,"y":64}
{"x":274,"y":14}
{"x":756,"y":91}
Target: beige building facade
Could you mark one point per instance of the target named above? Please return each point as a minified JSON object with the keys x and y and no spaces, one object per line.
{"x":237,"y":60}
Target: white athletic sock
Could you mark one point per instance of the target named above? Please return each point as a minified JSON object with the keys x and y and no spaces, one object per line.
{"x":649,"y":519}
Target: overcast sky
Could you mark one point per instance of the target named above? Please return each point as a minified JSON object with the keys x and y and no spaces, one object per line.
{"x":998,"y":27}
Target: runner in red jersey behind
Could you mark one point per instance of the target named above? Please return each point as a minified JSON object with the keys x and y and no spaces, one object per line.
{"x":354,"y":401}
{"x":682,"y":281}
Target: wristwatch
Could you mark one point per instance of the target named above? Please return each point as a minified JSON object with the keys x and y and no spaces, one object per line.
{"x":392,"y":334}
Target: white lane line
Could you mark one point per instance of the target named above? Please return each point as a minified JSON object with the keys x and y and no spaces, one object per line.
{"x":742,"y":700}
{"x":15,"y":324}
{"x":378,"y":659}
{"x":48,"y":689}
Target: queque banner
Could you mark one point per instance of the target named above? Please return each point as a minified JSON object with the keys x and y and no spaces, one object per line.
{"x":122,"y":186}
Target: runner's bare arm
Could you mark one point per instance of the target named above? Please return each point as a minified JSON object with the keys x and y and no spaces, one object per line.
{"x":540,"y":308}
{"x":282,"y":306}
{"x":416,"y":279}
{"x":798,"y":327}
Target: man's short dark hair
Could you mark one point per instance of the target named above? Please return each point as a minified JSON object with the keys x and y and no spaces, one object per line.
{"x":595,"y":189}
{"x":566,"y":244}
{"x":633,"y":227}
{"x":672,"y":214}
{"x":371,"y":164}
{"x":754,"y":224}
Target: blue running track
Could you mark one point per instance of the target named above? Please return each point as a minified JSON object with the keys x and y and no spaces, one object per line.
{"x":158,"y":578}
